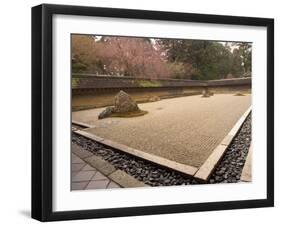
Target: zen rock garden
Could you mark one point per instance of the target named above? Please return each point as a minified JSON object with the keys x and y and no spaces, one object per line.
{"x":165,"y":126}
{"x":159,"y":112}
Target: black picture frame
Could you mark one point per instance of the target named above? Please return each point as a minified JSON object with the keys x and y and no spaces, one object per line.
{"x":42,"y":107}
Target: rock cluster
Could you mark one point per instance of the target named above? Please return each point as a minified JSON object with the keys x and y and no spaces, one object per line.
{"x":207,"y":93}
{"x":239,"y":94}
{"x":154,"y":98}
{"x":123,"y":104}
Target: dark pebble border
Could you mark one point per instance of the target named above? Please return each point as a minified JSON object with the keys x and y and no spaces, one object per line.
{"x":230,"y":167}
{"x":228,"y":171}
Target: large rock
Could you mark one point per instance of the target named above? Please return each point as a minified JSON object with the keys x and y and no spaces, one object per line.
{"x":123,"y":103}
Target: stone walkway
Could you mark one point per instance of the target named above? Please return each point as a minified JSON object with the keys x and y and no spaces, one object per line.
{"x":90,"y":171}
{"x":86,"y":177}
{"x":184,"y":129}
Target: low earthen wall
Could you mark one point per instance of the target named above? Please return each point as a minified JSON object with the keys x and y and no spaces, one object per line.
{"x":99,"y":91}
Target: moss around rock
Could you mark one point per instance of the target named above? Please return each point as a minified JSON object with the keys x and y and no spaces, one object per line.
{"x":75,"y":82}
{"x":146,"y":83}
{"x":124,"y":106}
{"x":129,"y":114}
{"x":154,"y":98}
{"x":239,"y":94}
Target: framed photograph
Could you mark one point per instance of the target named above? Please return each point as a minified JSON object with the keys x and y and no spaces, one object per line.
{"x":146,"y":112}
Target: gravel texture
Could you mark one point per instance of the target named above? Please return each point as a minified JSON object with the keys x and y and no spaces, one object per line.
{"x":193,"y":146}
{"x":230,"y":168}
{"x":228,"y":171}
{"x":142,"y":170}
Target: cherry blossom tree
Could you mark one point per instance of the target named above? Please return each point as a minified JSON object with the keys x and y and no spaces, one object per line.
{"x":136,"y":57}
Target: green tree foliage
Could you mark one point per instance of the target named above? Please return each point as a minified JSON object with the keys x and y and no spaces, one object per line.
{"x":209,"y":59}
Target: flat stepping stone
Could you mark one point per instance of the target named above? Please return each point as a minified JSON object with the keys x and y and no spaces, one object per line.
{"x":77,"y":150}
{"x":100,"y":164}
{"x":79,"y":185}
{"x":98,"y":184}
{"x":125,"y":180}
{"x":77,"y":166}
{"x":246,"y":175}
{"x":83,"y":176}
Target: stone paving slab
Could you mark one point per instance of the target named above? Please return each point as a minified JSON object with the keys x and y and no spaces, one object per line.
{"x":126,"y":180}
{"x":77,"y":166}
{"x":112,"y":185}
{"x":79,"y":152}
{"x":76,"y":159}
{"x":98,"y":184}
{"x":100,"y":164}
{"x":99,"y":176}
{"x":79,"y":185}
{"x":87,"y":167}
{"x":246,"y":175}
{"x":84,"y":176}
{"x":185,"y":129}
{"x":95,"y":173}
